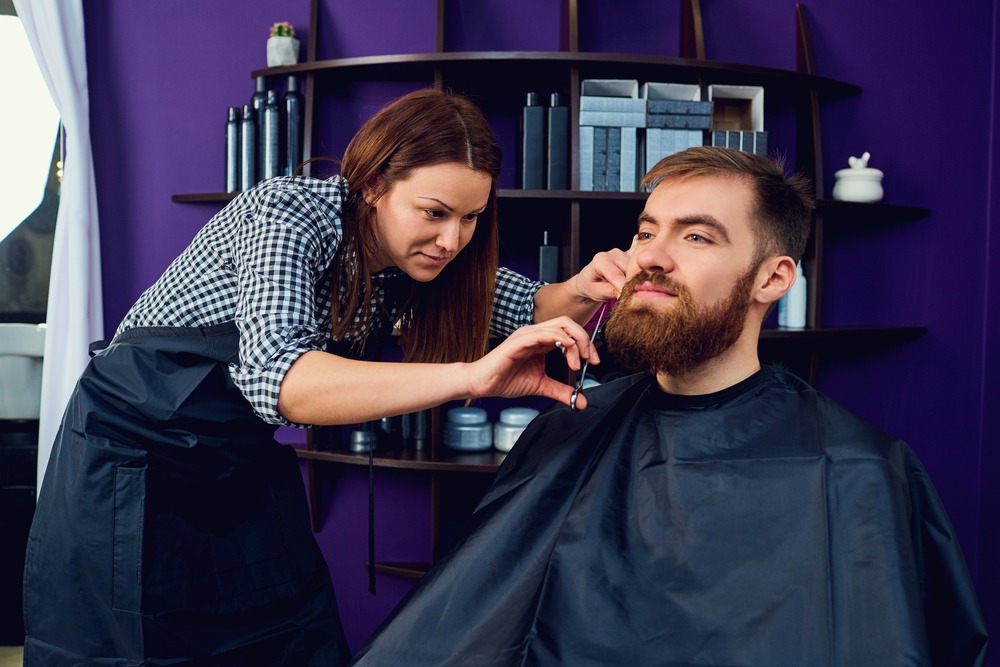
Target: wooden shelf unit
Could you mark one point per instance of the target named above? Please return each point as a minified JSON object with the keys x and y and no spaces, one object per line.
{"x":802,"y":89}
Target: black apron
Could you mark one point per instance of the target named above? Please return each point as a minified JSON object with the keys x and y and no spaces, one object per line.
{"x":172,"y":528}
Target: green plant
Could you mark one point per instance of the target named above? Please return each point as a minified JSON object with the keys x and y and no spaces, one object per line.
{"x":283,"y":29}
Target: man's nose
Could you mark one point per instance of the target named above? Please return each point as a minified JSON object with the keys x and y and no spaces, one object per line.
{"x":655,"y":256}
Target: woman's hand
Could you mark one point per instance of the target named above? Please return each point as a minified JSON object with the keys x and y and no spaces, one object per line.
{"x":603,"y":278}
{"x":516,"y":367}
{"x":580,"y":296}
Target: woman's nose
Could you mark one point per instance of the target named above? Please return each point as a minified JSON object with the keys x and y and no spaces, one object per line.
{"x":448,"y":236}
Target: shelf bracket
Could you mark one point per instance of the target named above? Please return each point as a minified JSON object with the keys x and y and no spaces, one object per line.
{"x":692,"y":33}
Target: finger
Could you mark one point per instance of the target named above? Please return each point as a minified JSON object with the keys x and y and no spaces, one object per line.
{"x":561,"y":392}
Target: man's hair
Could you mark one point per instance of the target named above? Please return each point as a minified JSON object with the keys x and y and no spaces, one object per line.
{"x":783,"y":205}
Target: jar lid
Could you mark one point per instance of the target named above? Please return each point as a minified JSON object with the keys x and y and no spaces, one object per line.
{"x":518,"y":416}
{"x":467,"y":415}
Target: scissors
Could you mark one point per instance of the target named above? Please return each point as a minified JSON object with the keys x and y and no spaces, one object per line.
{"x":586,"y":362}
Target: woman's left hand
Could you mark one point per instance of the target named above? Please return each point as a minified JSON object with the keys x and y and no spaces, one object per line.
{"x":580,"y":296}
{"x":516,"y":367}
{"x":603,"y":278}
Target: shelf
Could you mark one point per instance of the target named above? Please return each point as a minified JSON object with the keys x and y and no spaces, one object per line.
{"x":572,"y":195}
{"x":204,"y":197}
{"x":408,"y":570}
{"x":845,"y":335}
{"x":507,"y":193}
{"x":659,"y":68}
{"x":484,"y":462}
{"x":875,"y":211}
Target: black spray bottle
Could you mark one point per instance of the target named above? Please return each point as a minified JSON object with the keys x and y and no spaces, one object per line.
{"x":293,"y":126}
{"x":270,"y":159}
{"x":257,"y":102}
{"x":233,"y":150}
{"x":248,"y":149}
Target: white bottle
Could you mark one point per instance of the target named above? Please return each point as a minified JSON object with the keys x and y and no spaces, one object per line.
{"x":792,"y":307}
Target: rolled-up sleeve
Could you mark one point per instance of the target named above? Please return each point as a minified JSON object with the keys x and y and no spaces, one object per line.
{"x":282,"y":246}
{"x":514,"y":305}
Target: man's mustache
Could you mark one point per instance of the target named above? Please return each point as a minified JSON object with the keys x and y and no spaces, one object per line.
{"x":657,"y":278}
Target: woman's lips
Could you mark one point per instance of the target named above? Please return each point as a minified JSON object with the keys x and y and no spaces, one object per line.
{"x":436,"y":260}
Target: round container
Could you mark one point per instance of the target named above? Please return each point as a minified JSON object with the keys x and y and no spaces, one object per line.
{"x":512,"y":423}
{"x":860,"y":185}
{"x":467,"y":430}
{"x":361,"y":442}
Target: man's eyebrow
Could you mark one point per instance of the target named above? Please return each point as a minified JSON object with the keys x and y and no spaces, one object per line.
{"x":704,"y":221}
{"x":689,"y":221}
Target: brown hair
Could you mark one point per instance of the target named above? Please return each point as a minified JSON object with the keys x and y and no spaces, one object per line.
{"x":448,"y":318}
{"x":783,"y":205}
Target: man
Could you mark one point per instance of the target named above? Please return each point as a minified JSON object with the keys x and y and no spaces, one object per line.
{"x":705,"y":511}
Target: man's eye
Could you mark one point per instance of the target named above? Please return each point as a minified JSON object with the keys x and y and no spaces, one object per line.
{"x":644,"y":236}
{"x":697,"y":238}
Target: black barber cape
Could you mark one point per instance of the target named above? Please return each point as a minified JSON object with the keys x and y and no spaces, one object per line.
{"x":171,"y":528}
{"x":761,"y":525}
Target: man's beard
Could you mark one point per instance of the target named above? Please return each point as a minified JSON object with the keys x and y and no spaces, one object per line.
{"x":678,"y":338}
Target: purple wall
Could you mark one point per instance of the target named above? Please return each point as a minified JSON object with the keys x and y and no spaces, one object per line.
{"x":163,"y":74}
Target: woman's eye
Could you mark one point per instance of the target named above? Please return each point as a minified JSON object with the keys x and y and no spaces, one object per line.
{"x":472,"y":217}
{"x":434,"y":214}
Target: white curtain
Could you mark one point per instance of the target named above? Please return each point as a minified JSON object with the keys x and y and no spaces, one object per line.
{"x":75,"y":307}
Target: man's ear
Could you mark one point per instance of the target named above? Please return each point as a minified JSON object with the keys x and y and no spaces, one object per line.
{"x":774,"y":278}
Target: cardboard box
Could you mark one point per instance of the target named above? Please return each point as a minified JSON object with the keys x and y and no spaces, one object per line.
{"x":737,"y":108}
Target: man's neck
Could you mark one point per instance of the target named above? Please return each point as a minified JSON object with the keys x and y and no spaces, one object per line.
{"x":729,"y":368}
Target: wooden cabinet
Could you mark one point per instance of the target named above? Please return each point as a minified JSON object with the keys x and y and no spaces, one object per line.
{"x":584,"y":223}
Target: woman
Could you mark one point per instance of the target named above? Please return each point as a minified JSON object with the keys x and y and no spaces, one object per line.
{"x":173,"y":529}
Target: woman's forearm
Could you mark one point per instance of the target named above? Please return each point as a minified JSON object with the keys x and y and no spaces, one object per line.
{"x":325,"y":389}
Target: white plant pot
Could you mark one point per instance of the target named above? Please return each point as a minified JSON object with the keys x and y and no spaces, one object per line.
{"x":282,"y":51}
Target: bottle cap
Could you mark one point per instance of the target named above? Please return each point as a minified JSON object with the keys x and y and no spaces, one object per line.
{"x":554,"y":100}
{"x":532,"y":99}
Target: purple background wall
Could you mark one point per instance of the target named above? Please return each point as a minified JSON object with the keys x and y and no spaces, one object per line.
{"x":163,"y":74}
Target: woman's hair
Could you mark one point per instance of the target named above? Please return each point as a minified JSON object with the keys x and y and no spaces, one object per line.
{"x":448,"y":318}
{"x":783,"y":205}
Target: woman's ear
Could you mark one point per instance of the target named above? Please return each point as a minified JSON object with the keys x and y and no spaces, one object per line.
{"x":774,"y":278}
{"x":370,"y":189}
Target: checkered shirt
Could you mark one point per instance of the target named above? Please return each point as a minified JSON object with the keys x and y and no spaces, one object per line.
{"x":264,"y":261}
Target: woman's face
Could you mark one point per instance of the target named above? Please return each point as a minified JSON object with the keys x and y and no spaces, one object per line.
{"x":424,"y":221}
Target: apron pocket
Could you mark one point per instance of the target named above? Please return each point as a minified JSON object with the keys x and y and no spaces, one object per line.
{"x":129,"y":504}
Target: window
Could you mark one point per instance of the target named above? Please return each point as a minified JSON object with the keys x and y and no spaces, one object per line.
{"x":30,"y":174}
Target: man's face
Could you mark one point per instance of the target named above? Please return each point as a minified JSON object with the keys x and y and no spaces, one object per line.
{"x":691,"y":277}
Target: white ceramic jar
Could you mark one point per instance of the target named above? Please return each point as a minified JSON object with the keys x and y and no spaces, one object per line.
{"x":858,"y":183}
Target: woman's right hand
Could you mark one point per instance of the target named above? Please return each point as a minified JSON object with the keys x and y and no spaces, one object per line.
{"x":516,"y":367}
